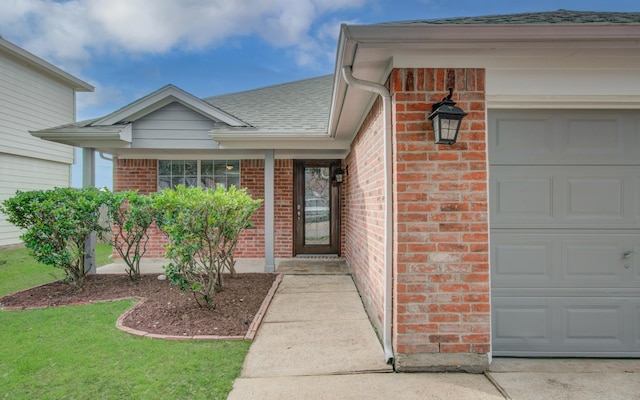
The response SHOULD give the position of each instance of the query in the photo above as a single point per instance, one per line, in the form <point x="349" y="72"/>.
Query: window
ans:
<point x="205" y="173"/>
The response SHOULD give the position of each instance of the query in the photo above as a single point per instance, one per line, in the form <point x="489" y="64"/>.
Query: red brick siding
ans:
<point x="364" y="203"/>
<point x="441" y="258"/>
<point x="132" y="174"/>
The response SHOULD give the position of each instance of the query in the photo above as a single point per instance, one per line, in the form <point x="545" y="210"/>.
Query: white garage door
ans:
<point x="565" y="233"/>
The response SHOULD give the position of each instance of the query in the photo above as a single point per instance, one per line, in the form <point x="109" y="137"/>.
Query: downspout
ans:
<point x="105" y="157"/>
<point x="388" y="215"/>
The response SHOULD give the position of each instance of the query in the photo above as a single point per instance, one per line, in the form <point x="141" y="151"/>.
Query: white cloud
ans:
<point x="68" y="32"/>
<point x="103" y="100"/>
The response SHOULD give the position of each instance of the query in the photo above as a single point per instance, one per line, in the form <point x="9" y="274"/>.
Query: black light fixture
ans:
<point x="338" y="175"/>
<point x="446" y="118"/>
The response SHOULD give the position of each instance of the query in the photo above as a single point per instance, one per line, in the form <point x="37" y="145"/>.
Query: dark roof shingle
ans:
<point x="547" y="17"/>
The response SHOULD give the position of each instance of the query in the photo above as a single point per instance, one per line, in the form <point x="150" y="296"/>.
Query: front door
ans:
<point x="316" y="207"/>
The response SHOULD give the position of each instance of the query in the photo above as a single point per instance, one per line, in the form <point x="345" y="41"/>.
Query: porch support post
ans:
<point x="269" y="220"/>
<point x="89" y="179"/>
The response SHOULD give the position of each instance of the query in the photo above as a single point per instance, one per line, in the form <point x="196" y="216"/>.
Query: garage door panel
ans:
<point x="590" y="261"/>
<point x="522" y="321"/>
<point x="566" y="197"/>
<point x="563" y="137"/>
<point x="522" y="259"/>
<point x="593" y="259"/>
<point x="600" y="198"/>
<point x="591" y="324"/>
<point x="578" y="326"/>
<point x="636" y="332"/>
<point x="524" y="197"/>
<point x="524" y="134"/>
<point x="584" y="135"/>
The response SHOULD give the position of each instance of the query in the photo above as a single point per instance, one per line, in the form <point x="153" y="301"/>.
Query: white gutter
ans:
<point x="388" y="209"/>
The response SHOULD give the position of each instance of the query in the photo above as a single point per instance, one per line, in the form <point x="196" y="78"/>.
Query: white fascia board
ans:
<point x="115" y="136"/>
<point x="430" y="35"/>
<point x="163" y="97"/>
<point x="229" y="154"/>
<point x="38" y="63"/>
<point x="282" y="142"/>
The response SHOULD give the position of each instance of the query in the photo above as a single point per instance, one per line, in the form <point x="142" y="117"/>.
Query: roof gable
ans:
<point x="162" y="97"/>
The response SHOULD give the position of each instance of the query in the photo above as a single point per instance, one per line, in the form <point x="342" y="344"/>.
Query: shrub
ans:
<point x="131" y="215"/>
<point x="57" y="223"/>
<point x="203" y="226"/>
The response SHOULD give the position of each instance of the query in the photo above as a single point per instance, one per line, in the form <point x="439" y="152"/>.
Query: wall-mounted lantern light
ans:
<point x="446" y="118"/>
<point x="338" y="175"/>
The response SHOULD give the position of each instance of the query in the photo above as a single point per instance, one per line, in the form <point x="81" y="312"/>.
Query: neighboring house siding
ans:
<point x="30" y="100"/>
<point x="173" y="127"/>
<point x="22" y="173"/>
<point x="141" y="175"/>
<point x="442" y="254"/>
<point x="364" y="217"/>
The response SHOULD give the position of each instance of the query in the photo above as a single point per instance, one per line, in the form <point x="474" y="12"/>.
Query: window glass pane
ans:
<point x="206" y="168"/>
<point x="177" y="168"/>
<point x="233" y="180"/>
<point x="164" y="182"/>
<point x="191" y="168"/>
<point x="191" y="181"/>
<point x="220" y="168"/>
<point x="177" y="180"/>
<point x="207" y="182"/>
<point x="220" y="179"/>
<point x="233" y="167"/>
<point x="164" y="167"/>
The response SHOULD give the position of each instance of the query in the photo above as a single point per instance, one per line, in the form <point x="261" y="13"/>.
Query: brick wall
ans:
<point x="132" y="174"/>
<point x="363" y="222"/>
<point x="441" y="279"/>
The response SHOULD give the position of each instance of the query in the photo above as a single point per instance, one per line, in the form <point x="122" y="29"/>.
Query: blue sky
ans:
<point x="129" y="48"/>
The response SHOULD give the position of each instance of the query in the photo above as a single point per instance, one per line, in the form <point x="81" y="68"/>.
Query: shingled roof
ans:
<point x="537" y="18"/>
<point x="300" y="106"/>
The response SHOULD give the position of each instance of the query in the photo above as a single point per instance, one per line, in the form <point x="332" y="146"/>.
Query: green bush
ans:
<point x="131" y="215"/>
<point x="57" y="224"/>
<point x="203" y="226"/>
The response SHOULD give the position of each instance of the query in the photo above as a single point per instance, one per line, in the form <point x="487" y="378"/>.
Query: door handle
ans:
<point x="627" y="254"/>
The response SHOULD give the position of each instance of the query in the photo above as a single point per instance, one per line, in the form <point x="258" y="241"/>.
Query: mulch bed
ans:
<point x="166" y="310"/>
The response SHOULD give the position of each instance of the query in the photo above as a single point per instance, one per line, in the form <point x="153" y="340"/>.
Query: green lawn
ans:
<point x="76" y="352"/>
<point x="18" y="270"/>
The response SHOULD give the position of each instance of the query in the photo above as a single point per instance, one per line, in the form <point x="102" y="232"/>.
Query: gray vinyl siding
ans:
<point x="23" y="173"/>
<point x="173" y="127"/>
<point x="30" y="100"/>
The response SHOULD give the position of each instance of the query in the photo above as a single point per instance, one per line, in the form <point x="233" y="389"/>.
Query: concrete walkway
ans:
<point x="316" y="342"/>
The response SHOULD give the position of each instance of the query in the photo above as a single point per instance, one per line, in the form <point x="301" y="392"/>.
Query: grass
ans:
<point x="18" y="270"/>
<point x="76" y="352"/>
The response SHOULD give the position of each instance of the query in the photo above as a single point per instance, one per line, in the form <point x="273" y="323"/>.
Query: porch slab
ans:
<point x="306" y="265"/>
